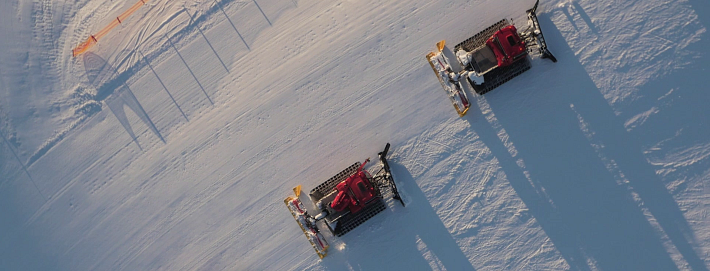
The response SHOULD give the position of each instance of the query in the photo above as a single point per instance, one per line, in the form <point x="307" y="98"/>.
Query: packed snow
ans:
<point x="172" y="143"/>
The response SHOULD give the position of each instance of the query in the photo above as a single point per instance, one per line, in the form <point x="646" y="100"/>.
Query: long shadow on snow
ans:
<point x="680" y="122"/>
<point x="115" y="93"/>
<point x="573" y="194"/>
<point x="680" y="94"/>
<point x="23" y="246"/>
<point x="626" y="150"/>
<point x="406" y="238"/>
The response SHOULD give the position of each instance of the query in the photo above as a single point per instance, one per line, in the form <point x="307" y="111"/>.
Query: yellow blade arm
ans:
<point x="297" y="190"/>
<point x="440" y="45"/>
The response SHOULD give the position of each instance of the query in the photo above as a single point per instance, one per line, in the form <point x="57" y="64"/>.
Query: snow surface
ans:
<point x="172" y="143"/>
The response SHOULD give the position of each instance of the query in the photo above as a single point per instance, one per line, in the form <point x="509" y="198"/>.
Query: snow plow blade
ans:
<point x="454" y="90"/>
<point x="388" y="181"/>
<point x="309" y="228"/>
<point x="534" y="35"/>
<point x="374" y="189"/>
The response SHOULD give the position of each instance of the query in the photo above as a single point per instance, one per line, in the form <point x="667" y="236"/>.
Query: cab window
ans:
<point x="511" y="40"/>
<point x="362" y="187"/>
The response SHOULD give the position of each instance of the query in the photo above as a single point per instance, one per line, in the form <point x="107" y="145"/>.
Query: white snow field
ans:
<point x="172" y="143"/>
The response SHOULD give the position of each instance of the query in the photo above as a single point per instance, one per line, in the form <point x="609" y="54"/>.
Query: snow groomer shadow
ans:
<point x="582" y="175"/>
<point x="403" y="238"/>
<point x="111" y="88"/>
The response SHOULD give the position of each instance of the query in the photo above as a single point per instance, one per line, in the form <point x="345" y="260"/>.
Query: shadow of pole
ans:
<point x="230" y="22"/>
<point x="115" y="93"/>
<point x="192" y="21"/>
<point x="189" y="70"/>
<point x="262" y="12"/>
<point x="162" y="84"/>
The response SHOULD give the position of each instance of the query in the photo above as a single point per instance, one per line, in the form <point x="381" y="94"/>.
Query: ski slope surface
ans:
<point x="172" y="143"/>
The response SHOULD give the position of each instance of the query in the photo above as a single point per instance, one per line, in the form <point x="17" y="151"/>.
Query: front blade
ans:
<point x="316" y="239"/>
<point x="439" y="63"/>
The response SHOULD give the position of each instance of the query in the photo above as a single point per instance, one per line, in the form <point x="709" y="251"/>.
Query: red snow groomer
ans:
<point x="500" y="52"/>
<point x="344" y="201"/>
<point x="489" y="58"/>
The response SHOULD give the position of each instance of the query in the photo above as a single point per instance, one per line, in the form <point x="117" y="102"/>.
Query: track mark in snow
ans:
<point x="640" y="118"/>
<point x="9" y="146"/>
<point x="79" y="177"/>
<point x="44" y="25"/>
<point x="90" y="107"/>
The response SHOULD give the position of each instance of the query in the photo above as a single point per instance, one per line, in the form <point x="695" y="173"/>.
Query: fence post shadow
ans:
<point x="189" y="70"/>
<point x="162" y="84"/>
<point x="233" y="26"/>
<point x="592" y="220"/>
<point x="192" y="21"/>
<point x="262" y="13"/>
